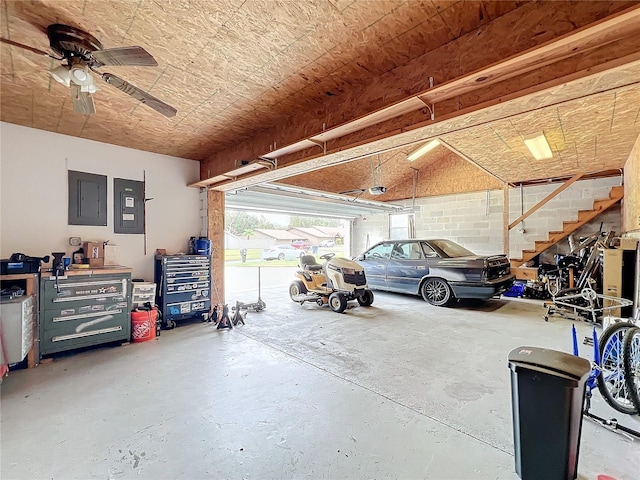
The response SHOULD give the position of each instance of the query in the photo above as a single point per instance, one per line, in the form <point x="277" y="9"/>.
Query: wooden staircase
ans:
<point x="584" y="216"/>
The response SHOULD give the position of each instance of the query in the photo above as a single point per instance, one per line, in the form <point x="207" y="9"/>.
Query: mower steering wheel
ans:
<point x="327" y="256"/>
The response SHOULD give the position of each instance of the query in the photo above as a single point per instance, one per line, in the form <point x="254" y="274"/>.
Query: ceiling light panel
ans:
<point x="538" y="146"/>
<point x="427" y="147"/>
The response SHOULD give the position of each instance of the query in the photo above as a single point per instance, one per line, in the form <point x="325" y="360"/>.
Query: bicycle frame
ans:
<point x="596" y="369"/>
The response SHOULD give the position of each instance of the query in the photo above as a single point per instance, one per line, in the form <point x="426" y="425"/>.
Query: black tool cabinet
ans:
<point x="184" y="286"/>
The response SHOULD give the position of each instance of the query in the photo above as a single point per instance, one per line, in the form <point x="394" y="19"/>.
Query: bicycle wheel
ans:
<point x="611" y="381"/>
<point x="631" y="359"/>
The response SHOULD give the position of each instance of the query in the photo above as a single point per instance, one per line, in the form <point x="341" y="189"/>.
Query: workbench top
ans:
<point x="107" y="270"/>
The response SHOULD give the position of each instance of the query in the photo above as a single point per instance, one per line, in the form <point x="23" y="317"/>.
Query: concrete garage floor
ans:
<point x="397" y="390"/>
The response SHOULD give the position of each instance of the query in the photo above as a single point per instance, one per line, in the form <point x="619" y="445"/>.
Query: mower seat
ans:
<point x="308" y="262"/>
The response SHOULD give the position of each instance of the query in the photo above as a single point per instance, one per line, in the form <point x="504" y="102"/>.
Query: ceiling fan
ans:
<point x="81" y="54"/>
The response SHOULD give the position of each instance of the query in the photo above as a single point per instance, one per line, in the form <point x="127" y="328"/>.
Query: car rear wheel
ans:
<point x="281" y="256"/>
<point x="366" y="299"/>
<point x="295" y="289"/>
<point x="436" y="292"/>
<point x="337" y="302"/>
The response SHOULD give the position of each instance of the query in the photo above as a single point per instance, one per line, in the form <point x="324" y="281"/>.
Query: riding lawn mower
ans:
<point x="333" y="283"/>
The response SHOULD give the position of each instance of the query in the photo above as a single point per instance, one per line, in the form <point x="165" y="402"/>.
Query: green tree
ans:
<point x="240" y="223"/>
<point x="297" y="221"/>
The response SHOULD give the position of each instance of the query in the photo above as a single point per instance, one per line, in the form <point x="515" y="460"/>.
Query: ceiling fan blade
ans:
<point x="82" y="101"/>
<point x="132" y="56"/>
<point x="27" y="47"/>
<point x="140" y="95"/>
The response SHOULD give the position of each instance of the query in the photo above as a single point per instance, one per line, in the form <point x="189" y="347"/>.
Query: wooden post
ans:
<point x="571" y="278"/>
<point x="505" y="217"/>
<point x="215" y="211"/>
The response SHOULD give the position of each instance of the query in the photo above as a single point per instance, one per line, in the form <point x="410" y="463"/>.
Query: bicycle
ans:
<point x="631" y="362"/>
<point x="608" y="373"/>
<point x="612" y="381"/>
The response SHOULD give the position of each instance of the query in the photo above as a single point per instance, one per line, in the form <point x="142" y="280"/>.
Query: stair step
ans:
<point x="570" y="226"/>
<point x="543" y="242"/>
<point x="616" y="192"/>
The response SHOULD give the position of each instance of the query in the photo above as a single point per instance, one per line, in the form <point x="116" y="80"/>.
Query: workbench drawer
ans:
<point x="75" y="292"/>
<point x="54" y="341"/>
<point x="68" y="322"/>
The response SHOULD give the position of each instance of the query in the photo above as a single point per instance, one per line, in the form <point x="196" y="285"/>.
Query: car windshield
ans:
<point x="450" y="249"/>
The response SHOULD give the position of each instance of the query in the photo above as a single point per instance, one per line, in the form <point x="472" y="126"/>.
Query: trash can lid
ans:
<point x="553" y="360"/>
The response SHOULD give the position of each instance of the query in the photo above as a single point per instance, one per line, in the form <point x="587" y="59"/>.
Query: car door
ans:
<point x="375" y="262"/>
<point x="406" y="267"/>
<point x="291" y="253"/>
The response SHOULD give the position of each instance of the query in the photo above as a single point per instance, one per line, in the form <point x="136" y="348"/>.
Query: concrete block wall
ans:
<point x="475" y="220"/>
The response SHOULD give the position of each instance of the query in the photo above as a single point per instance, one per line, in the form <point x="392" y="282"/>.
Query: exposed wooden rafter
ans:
<point x="614" y="28"/>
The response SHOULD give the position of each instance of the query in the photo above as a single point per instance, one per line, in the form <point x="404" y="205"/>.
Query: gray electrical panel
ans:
<point x="128" y="209"/>
<point x="87" y="199"/>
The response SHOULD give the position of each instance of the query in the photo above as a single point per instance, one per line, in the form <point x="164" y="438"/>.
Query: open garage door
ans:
<point x="279" y="198"/>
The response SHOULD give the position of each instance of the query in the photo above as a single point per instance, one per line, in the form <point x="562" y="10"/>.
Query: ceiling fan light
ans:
<point x="427" y="147"/>
<point x="538" y="146"/>
<point x="61" y="75"/>
<point x="81" y="76"/>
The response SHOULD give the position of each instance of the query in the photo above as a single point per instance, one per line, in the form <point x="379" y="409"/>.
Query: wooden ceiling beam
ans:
<point x="604" y="32"/>
<point x="611" y="29"/>
<point x="608" y="77"/>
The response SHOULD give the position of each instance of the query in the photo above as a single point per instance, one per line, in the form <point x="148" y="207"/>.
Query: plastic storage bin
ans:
<point x="547" y="395"/>
<point x="141" y="293"/>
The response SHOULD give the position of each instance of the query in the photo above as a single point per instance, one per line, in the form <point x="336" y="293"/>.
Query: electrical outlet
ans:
<point x="75" y="241"/>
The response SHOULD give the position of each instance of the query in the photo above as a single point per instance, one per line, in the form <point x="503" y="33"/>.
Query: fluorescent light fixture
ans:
<point x="538" y="146"/>
<point x="427" y="147"/>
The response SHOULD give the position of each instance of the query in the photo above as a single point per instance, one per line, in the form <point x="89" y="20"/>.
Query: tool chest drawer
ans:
<point x="83" y="310"/>
<point x="78" y="320"/>
<point x="55" y="342"/>
<point x="184" y="286"/>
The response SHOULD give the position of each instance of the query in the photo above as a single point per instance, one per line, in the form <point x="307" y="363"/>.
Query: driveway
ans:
<point x="241" y="283"/>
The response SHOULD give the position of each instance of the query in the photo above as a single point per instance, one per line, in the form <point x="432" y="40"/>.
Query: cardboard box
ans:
<point x="112" y="255"/>
<point x="612" y="278"/>
<point x="94" y="253"/>
<point x="628" y="243"/>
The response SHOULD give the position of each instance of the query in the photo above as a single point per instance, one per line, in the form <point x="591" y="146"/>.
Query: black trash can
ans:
<point x="547" y="395"/>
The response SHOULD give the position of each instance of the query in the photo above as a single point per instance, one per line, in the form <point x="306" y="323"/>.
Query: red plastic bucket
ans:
<point x="143" y="325"/>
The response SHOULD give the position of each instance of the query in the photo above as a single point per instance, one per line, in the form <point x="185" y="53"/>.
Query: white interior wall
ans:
<point x="475" y="220"/>
<point x="34" y="196"/>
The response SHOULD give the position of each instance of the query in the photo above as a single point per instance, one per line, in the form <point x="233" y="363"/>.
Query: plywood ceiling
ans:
<point x="235" y="69"/>
<point x="230" y="67"/>
<point x="589" y="135"/>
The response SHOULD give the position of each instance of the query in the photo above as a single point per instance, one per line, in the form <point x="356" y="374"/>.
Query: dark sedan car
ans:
<point x="439" y="270"/>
